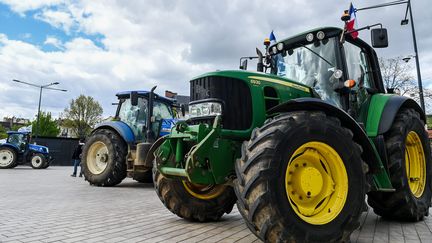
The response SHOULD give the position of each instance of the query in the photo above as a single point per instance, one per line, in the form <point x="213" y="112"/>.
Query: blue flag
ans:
<point x="272" y="38"/>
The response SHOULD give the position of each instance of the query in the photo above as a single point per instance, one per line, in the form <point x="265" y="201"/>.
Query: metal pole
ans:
<point x="417" y="59"/>
<point x="38" y="117"/>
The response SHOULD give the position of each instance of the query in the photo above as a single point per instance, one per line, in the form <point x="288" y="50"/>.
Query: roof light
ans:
<point x="280" y="46"/>
<point x="266" y="41"/>
<point x="309" y="37"/>
<point x="320" y="35"/>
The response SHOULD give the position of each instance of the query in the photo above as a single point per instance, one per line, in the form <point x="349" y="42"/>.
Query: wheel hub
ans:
<point x="6" y="157"/>
<point x="415" y="164"/>
<point x="316" y="183"/>
<point x="97" y="157"/>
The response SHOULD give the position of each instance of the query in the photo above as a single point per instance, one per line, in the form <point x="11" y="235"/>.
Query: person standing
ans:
<point x="76" y="158"/>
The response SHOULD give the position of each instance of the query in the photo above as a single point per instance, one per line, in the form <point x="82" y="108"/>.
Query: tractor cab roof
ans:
<point x="142" y="93"/>
<point x="15" y="132"/>
<point x="302" y="38"/>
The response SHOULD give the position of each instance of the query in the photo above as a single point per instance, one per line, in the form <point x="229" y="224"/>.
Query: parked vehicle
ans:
<point x="18" y="150"/>
<point x="118" y="148"/>
<point x="299" y="144"/>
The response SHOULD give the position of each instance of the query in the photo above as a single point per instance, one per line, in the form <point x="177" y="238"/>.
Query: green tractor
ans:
<point x="298" y="144"/>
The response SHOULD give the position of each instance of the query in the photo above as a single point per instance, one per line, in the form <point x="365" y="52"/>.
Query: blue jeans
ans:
<point x="76" y="163"/>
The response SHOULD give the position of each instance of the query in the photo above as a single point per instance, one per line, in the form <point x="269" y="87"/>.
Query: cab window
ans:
<point x="358" y="66"/>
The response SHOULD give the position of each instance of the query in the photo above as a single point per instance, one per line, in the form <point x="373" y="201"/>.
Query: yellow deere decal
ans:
<point x="277" y="81"/>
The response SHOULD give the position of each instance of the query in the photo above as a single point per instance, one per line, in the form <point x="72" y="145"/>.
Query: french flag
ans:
<point x="352" y="24"/>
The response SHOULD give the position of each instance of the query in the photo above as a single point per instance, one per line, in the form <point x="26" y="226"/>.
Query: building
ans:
<point x="9" y="122"/>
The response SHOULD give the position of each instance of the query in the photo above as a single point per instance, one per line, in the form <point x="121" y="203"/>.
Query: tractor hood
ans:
<point x="39" y="148"/>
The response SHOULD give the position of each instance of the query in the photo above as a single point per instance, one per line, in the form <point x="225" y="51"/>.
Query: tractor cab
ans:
<point x="343" y="73"/>
<point x="19" y="140"/>
<point x="134" y="109"/>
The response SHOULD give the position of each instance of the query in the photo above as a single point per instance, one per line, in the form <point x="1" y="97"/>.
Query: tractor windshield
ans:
<point x="136" y="116"/>
<point x="312" y="64"/>
<point x="18" y="139"/>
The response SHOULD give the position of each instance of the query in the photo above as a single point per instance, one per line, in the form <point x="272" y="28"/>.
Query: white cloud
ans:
<point x="21" y="6"/>
<point x="53" y="41"/>
<point x="166" y="43"/>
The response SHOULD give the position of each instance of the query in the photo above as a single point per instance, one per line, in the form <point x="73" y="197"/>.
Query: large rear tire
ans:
<point x="301" y="178"/>
<point x="192" y="201"/>
<point x="8" y="158"/>
<point x="410" y="169"/>
<point x="104" y="158"/>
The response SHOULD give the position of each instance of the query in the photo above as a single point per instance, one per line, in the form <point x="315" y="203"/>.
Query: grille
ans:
<point x="237" y="107"/>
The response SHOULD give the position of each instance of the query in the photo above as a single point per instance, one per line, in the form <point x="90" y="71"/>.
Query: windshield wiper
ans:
<point x="329" y="63"/>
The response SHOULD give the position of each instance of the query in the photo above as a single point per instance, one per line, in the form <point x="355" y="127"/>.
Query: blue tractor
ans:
<point x="18" y="150"/>
<point x="119" y="148"/>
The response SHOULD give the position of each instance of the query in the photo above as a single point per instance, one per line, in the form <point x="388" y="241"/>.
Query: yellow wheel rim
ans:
<point x="316" y="183"/>
<point x="204" y="192"/>
<point x="415" y="164"/>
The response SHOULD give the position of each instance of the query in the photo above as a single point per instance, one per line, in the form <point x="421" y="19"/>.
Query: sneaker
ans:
<point x="73" y="175"/>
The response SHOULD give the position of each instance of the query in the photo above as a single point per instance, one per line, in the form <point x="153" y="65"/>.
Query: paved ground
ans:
<point x="49" y="206"/>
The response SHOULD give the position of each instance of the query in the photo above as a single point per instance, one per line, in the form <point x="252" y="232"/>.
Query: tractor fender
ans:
<point x="314" y="104"/>
<point x="392" y="107"/>
<point x="121" y="128"/>
<point x="150" y="155"/>
<point x="8" y="145"/>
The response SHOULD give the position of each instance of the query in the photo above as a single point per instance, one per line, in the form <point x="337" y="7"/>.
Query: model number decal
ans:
<point x="255" y="82"/>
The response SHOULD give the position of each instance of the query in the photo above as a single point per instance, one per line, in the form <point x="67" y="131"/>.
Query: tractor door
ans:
<point x="359" y="69"/>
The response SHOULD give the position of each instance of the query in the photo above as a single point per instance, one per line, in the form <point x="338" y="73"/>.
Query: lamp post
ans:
<point x="405" y="22"/>
<point x="40" y="87"/>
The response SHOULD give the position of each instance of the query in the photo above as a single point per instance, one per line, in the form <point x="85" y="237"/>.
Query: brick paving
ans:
<point x="49" y="206"/>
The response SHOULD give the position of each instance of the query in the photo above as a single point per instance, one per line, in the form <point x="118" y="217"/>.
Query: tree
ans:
<point x="397" y="75"/>
<point x="47" y="126"/>
<point x="82" y="114"/>
<point x="3" y="132"/>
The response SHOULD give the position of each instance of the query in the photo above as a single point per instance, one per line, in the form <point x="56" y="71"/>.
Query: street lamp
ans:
<point x="41" y="87"/>
<point x="405" y="21"/>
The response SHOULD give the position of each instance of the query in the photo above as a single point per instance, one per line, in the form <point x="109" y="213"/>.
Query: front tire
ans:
<point x="38" y="161"/>
<point x="301" y="179"/>
<point x="410" y="168"/>
<point x="104" y="158"/>
<point x="192" y="201"/>
<point x="8" y="158"/>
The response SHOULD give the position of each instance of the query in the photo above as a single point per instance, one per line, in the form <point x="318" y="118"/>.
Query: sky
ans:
<point x="99" y="48"/>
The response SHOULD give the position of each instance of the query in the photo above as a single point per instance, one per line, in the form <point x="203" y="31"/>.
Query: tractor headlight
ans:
<point x="205" y="109"/>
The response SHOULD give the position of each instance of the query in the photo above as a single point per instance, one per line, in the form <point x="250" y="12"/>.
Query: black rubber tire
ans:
<point x="176" y="199"/>
<point x="42" y="163"/>
<point x="14" y="160"/>
<point x="144" y="177"/>
<point x="402" y="204"/>
<point x="260" y="183"/>
<point x="115" y="171"/>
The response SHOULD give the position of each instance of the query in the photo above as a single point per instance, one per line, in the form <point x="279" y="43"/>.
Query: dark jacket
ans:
<point x="77" y="152"/>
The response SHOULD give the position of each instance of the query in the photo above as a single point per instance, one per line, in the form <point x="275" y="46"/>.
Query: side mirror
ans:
<point x="243" y="65"/>
<point x="260" y="64"/>
<point x="134" y="98"/>
<point x="379" y="38"/>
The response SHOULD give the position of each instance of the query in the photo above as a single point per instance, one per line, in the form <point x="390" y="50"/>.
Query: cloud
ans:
<point x="51" y="40"/>
<point x="166" y="43"/>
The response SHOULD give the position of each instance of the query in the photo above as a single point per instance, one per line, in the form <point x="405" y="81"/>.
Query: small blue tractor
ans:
<point x="119" y="148"/>
<point x="18" y="150"/>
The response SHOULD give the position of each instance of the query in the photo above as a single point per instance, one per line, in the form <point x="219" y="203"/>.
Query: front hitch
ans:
<point x="197" y="153"/>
